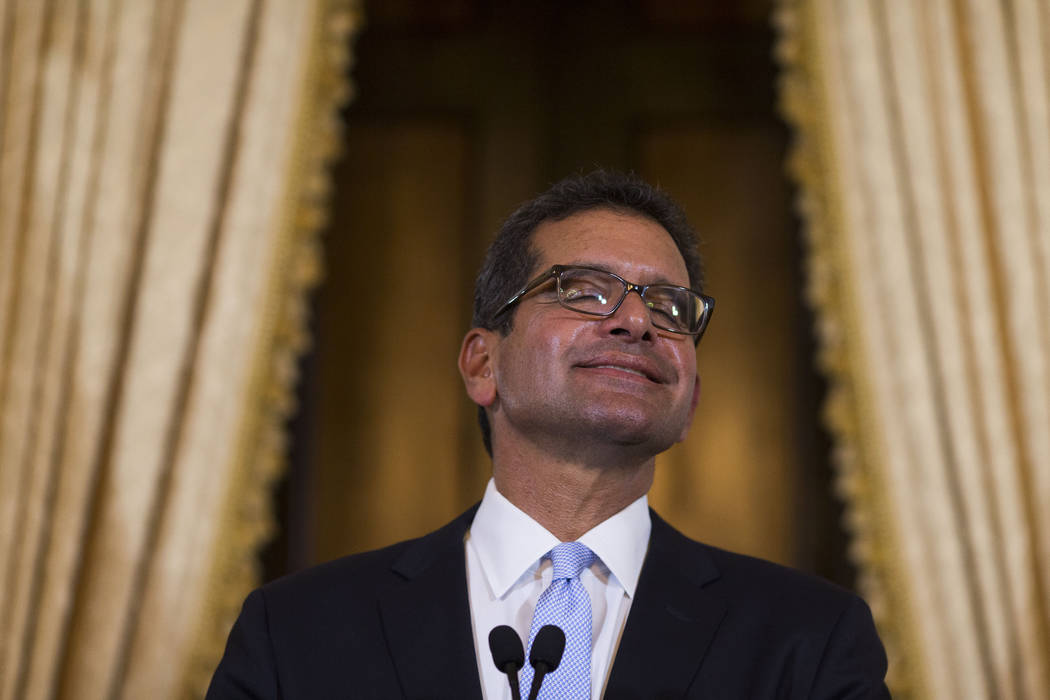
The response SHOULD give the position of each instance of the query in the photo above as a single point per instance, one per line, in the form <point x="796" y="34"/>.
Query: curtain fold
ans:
<point x="923" y="156"/>
<point x="162" y="184"/>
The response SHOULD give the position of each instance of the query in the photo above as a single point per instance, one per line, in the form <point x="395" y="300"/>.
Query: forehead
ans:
<point x="631" y="245"/>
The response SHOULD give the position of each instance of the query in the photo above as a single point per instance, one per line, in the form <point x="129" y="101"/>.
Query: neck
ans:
<point x="568" y="497"/>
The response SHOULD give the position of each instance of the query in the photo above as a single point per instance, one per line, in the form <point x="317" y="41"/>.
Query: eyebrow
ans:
<point x="607" y="268"/>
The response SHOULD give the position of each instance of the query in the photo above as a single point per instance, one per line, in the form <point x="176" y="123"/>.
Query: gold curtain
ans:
<point x="162" y="173"/>
<point x="924" y="158"/>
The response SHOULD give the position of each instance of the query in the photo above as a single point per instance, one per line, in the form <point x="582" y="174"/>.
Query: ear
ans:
<point x="692" y="408"/>
<point x="476" y="365"/>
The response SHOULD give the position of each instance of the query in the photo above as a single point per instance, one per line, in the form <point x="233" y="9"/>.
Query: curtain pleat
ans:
<point x="159" y="206"/>
<point x="924" y="156"/>
<point x="79" y="407"/>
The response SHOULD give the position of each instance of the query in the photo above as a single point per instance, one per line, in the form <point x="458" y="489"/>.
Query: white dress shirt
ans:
<point x="505" y="577"/>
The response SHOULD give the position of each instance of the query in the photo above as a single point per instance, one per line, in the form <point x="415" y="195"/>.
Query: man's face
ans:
<point x="573" y="379"/>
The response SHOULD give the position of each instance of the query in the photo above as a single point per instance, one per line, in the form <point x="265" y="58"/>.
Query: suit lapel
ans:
<point x="672" y="619"/>
<point x="427" y="620"/>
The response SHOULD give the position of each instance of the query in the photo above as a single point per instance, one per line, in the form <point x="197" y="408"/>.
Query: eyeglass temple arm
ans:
<point x="528" y="288"/>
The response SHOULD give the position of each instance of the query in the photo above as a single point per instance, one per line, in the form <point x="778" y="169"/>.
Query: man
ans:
<point x="582" y="361"/>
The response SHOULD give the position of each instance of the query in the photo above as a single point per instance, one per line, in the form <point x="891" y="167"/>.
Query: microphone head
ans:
<point x="547" y="647"/>
<point x="506" y="649"/>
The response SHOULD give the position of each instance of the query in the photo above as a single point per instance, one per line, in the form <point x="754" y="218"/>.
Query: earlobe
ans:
<point x="476" y="361"/>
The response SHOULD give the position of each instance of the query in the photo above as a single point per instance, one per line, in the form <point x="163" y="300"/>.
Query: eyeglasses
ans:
<point x="600" y="293"/>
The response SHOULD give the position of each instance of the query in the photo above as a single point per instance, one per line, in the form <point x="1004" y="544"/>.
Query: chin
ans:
<point x="639" y="430"/>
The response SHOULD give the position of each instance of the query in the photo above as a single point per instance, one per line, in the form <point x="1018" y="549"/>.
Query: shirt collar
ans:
<point x="621" y="542"/>
<point x="509" y="543"/>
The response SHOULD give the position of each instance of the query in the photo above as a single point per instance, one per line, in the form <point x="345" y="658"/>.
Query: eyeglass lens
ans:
<point x="597" y="292"/>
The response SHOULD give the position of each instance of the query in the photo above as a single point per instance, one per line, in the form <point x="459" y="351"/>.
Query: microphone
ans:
<point x="508" y="655"/>
<point x="545" y="655"/>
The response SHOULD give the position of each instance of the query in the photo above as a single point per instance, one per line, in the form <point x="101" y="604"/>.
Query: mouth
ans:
<point x="630" y="365"/>
<point x="622" y="369"/>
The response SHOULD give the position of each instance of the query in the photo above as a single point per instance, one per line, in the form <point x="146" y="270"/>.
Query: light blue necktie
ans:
<point x="566" y="604"/>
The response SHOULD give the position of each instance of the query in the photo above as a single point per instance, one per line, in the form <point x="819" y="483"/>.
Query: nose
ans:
<point x="632" y="319"/>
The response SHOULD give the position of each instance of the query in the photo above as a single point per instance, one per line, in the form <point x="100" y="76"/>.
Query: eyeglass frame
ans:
<point x="554" y="272"/>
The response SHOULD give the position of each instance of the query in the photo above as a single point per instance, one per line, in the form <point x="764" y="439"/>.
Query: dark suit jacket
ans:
<point x="704" y="623"/>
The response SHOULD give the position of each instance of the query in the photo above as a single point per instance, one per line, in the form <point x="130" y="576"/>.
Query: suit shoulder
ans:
<point x="352" y="570"/>
<point x="736" y="565"/>
<point x="745" y="578"/>
<point x="369" y="572"/>
<point x="785" y="632"/>
<point x="775" y="584"/>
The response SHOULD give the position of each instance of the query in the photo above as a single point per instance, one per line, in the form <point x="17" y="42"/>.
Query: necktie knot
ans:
<point x="570" y="558"/>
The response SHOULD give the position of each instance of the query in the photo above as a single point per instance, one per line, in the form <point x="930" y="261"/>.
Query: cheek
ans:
<point x="534" y="359"/>
<point x="547" y="338"/>
<point x="684" y="360"/>
<point x="540" y="362"/>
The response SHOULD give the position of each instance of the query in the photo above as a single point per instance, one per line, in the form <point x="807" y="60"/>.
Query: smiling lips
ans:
<point x="631" y="364"/>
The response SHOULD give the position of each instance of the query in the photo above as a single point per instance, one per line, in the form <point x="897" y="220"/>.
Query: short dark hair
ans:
<point x="511" y="259"/>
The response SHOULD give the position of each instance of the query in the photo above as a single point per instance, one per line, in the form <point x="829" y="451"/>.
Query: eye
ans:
<point x="591" y="291"/>
<point x="671" y="307"/>
<point x="581" y="292"/>
<point x="664" y="312"/>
